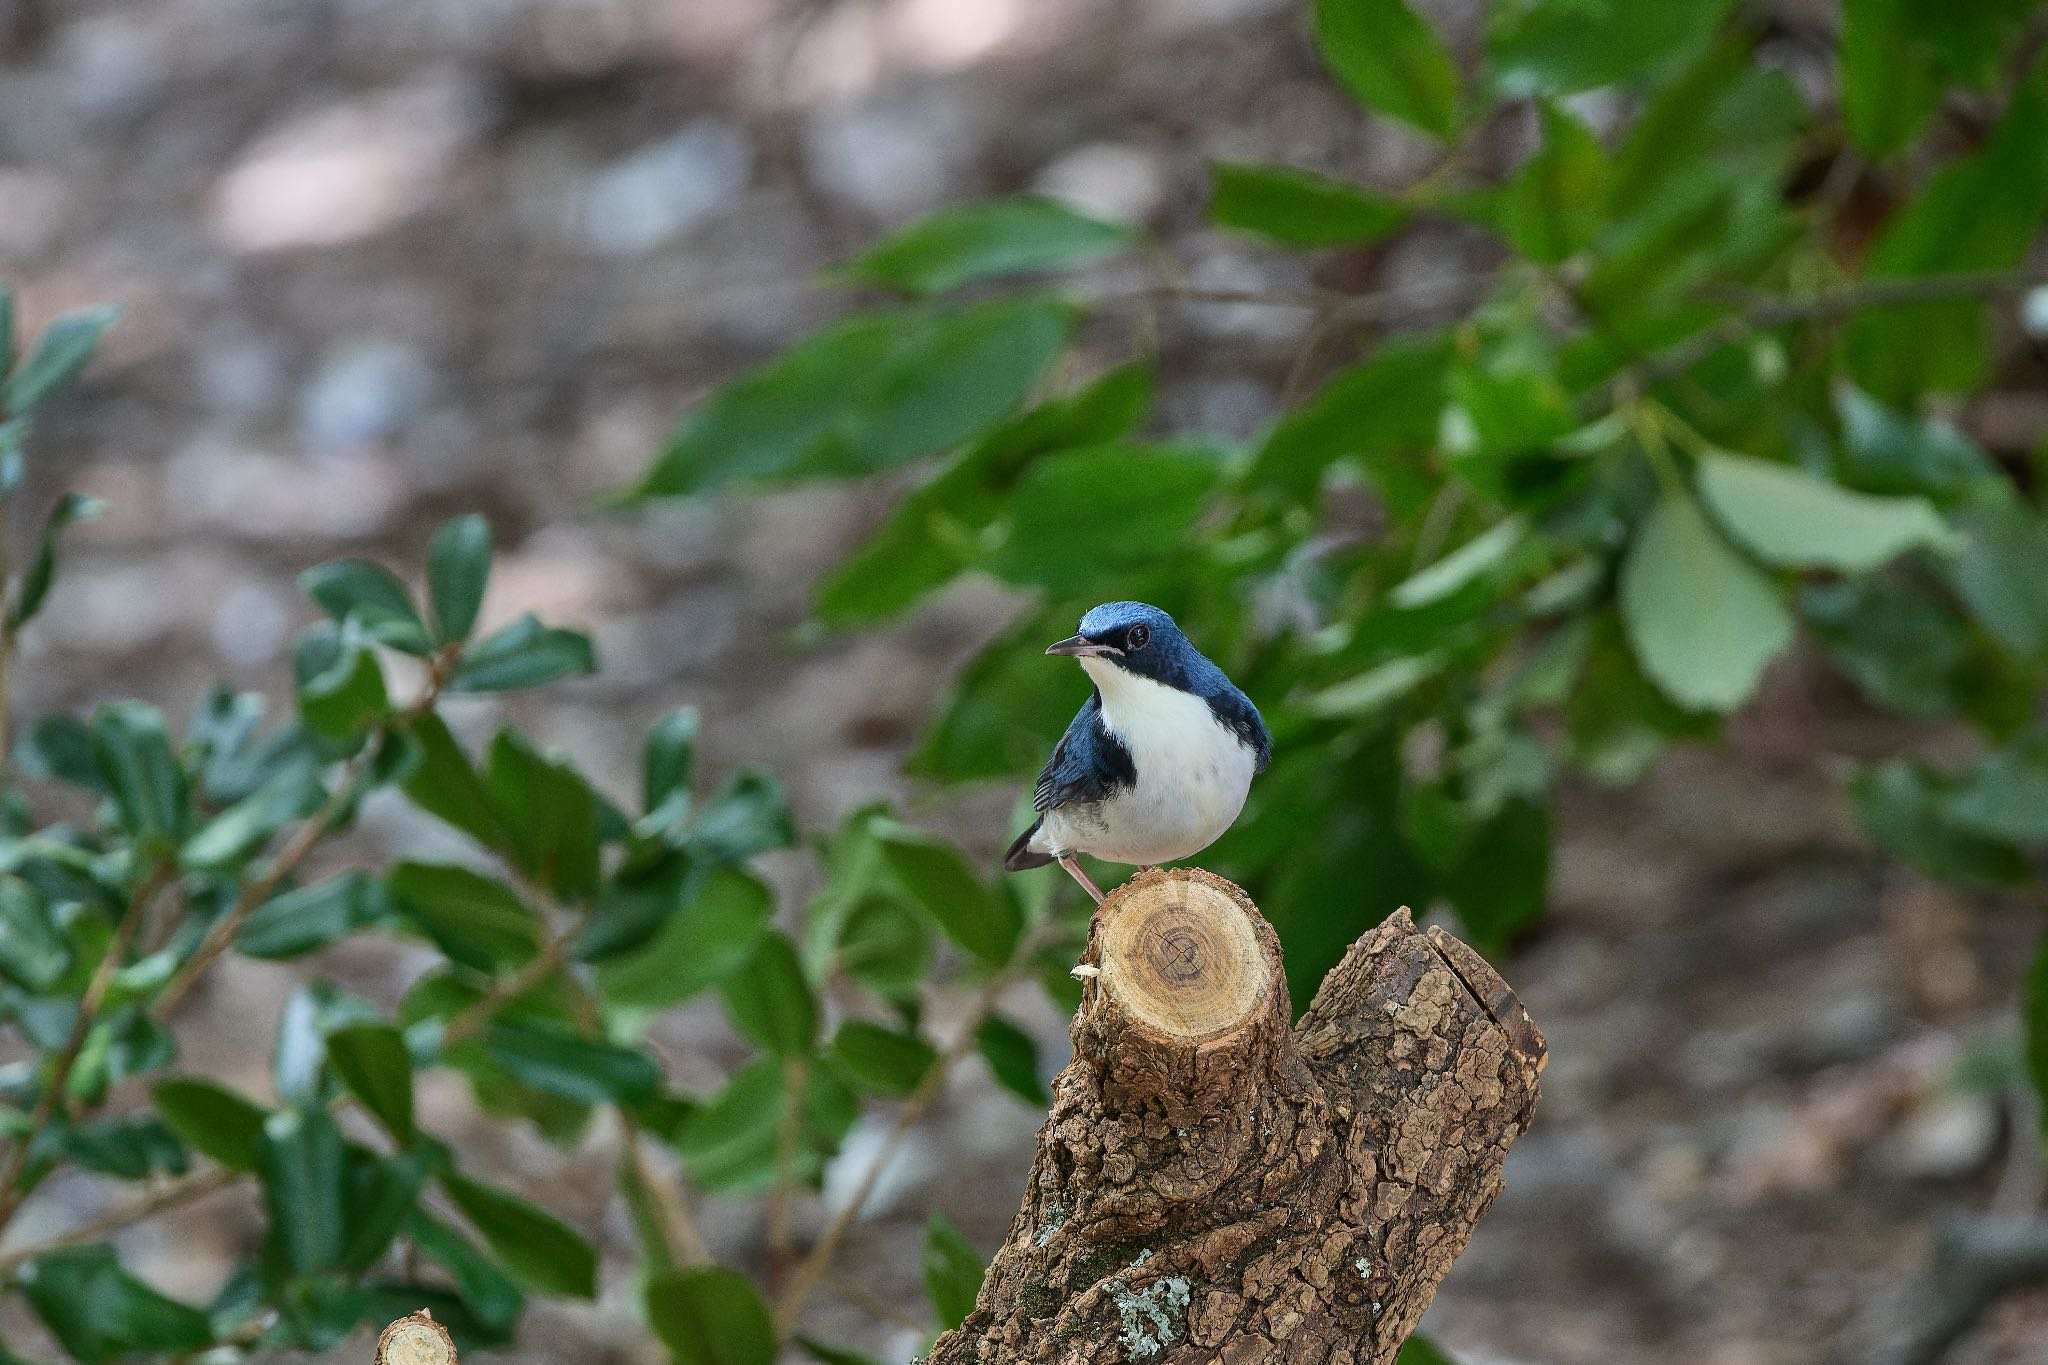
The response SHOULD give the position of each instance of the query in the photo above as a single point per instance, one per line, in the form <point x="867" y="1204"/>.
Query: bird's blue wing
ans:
<point x="1088" y="764"/>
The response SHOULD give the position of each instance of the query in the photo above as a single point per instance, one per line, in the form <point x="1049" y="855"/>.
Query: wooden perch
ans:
<point x="416" y="1340"/>
<point x="1213" y="1185"/>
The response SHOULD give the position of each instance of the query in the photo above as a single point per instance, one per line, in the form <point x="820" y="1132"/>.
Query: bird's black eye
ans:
<point x="1137" y="637"/>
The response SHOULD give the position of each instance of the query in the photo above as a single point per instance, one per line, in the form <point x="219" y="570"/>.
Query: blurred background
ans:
<point x="382" y="261"/>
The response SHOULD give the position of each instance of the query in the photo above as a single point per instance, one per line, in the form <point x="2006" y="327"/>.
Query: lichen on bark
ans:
<point x="1260" y="1194"/>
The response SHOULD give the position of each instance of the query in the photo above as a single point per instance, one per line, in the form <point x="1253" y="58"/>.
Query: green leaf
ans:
<point x="490" y="1293"/>
<point x="537" y="1247"/>
<point x="711" y="1316"/>
<point x="1905" y="809"/>
<point x="1560" y="49"/>
<point x="994" y="239"/>
<point x="35" y="583"/>
<point x="125" y="1148"/>
<point x="668" y="759"/>
<point x="445" y="784"/>
<point x="749" y="815"/>
<point x="301" y="1166"/>
<point x="548" y="814"/>
<point x="1368" y="693"/>
<point x="952" y="1271"/>
<point x="1300" y="208"/>
<point x="707" y="937"/>
<point x="1702" y="620"/>
<point x="214" y="1121"/>
<point x="458" y="567"/>
<point x="98" y="1311"/>
<point x="341" y="687"/>
<point x="1888" y="87"/>
<point x="34" y="953"/>
<point x="557" y="1059"/>
<point x="372" y="1061"/>
<point x="476" y="920"/>
<point x="1012" y="1058"/>
<point x="370" y="596"/>
<point x="2005" y="795"/>
<point x="1885" y="452"/>
<point x="1419" y="1350"/>
<point x="936" y="531"/>
<point x="141" y="772"/>
<point x="939" y="879"/>
<point x="1390" y="60"/>
<point x="1468" y="563"/>
<point x="1785" y="516"/>
<point x="885" y="945"/>
<point x="382" y="1193"/>
<point x="1901" y="641"/>
<point x="632" y="906"/>
<point x="866" y="394"/>
<point x="769" y="1001"/>
<point x="1385" y="407"/>
<point x="1081" y="517"/>
<point x="521" y="655"/>
<point x="1558" y="200"/>
<point x="1979" y="213"/>
<point x="311" y="917"/>
<point x="882" y="1060"/>
<point x="59" y="356"/>
<point x="1498" y="886"/>
<point x="1998" y="575"/>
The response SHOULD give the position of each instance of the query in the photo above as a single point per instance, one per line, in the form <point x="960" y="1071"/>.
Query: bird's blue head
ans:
<point x="1137" y="638"/>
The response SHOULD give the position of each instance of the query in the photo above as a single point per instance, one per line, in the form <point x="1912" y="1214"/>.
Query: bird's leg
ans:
<point x="1074" y="870"/>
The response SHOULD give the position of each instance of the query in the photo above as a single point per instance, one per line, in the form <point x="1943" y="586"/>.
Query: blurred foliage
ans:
<point x="1695" y="412"/>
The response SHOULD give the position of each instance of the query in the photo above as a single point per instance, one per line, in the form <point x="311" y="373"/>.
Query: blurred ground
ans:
<point x="384" y="260"/>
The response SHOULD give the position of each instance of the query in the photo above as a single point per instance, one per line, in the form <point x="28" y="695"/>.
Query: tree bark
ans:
<point x="1213" y="1185"/>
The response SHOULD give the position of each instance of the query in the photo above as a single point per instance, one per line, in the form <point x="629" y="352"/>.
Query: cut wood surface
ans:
<point x="416" y="1340"/>
<point x="1215" y="1185"/>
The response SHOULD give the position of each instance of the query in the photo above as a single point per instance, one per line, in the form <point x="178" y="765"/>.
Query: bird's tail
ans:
<point x="1022" y="856"/>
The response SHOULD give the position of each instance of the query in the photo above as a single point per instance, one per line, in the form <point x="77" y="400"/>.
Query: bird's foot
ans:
<point x="1074" y="870"/>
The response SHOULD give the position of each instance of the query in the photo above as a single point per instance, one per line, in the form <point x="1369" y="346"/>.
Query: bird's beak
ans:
<point x="1081" y="647"/>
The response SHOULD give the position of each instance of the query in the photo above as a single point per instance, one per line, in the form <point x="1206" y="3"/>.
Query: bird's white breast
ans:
<point x="1192" y="774"/>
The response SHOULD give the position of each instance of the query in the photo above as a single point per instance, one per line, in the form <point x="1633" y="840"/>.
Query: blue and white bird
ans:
<point x="1157" y="763"/>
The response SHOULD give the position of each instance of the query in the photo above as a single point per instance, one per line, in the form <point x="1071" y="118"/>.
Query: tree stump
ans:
<point x="416" y="1339"/>
<point x="1213" y="1185"/>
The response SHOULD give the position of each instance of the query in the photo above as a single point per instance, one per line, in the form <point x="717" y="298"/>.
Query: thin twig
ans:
<point x="819" y="1258"/>
<point x="175" y="1195"/>
<point x="89" y="1008"/>
<point x="795" y="1079"/>
<point x="221" y="935"/>
<point x="681" y="1240"/>
<point x="478" y="1013"/>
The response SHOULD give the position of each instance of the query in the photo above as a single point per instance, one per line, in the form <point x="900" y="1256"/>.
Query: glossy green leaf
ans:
<point x="952" y="1271"/>
<point x="710" y="1316"/>
<point x="521" y="655"/>
<point x="1785" y="516"/>
<point x="1998" y="575"/>
<point x="668" y="758"/>
<point x="1391" y="60"/>
<point x="939" y="879"/>
<point x="1386" y="406"/>
<point x="1557" y="201"/>
<point x="866" y="394"/>
<point x="370" y="596"/>
<point x="1905" y="809"/>
<point x="769" y="1001"/>
<point x="444" y="783"/>
<point x="1081" y="517"/>
<point x="1012" y="1058"/>
<point x="372" y="1061"/>
<point x="341" y="687"/>
<point x="60" y="354"/>
<point x="476" y="920"/>
<point x="557" y="1059"/>
<point x="300" y="1164"/>
<point x="1468" y="563"/>
<point x="705" y="939"/>
<point x="1702" y="620"/>
<point x="2004" y="796"/>
<point x="99" y="1312"/>
<point x="485" y="1286"/>
<point x="1560" y="49"/>
<point x="1420" y="1350"/>
<point x="548" y="814"/>
<point x="458" y="568"/>
<point x="748" y="815"/>
<point x="131" y="1148"/>
<point x="538" y="1248"/>
<point x="883" y="1060"/>
<point x="885" y="945"/>
<point x="632" y="906"/>
<point x="35" y="581"/>
<point x="34" y="953"/>
<point x="140" y="771"/>
<point x="2034" y="1023"/>
<point x="1300" y="208"/>
<point x="213" y="1120"/>
<point x="1888" y="88"/>
<point x="992" y="239"/>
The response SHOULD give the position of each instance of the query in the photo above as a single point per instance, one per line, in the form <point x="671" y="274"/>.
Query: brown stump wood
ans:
<point x="1212" y="1185"/>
